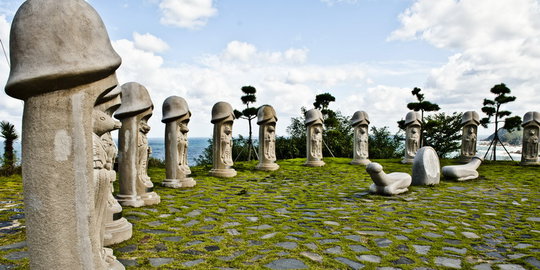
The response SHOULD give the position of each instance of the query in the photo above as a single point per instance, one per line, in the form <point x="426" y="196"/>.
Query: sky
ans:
<point x="369" y="54"/>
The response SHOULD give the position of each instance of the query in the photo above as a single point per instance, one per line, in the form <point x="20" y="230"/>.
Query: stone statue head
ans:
<point x="412" y="118"/>
<point x="374" y="167"/>
<point x="266" y="114"/>
<point x="135" y="99"/>
<point x="63" y="45"/>
<point x="470" y="117"/>
<point x="102" y="122"/>
<point x="222" y="111"/>
<point x="313" y="116"/>
<point x="360" y="118"/>
<point x="531" y="117"/>
<point x="174" y="107"/>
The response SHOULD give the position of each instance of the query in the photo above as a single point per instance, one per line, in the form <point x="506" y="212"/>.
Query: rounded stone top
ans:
<point x="360" y="118"/>
<point x="470" y="117"/>
<point x="412" y="118"/>
<point x="265" y="114"/>
<point x="57" y="44"/>
<point x="135" y="99"/>
<point x="426" y="167"/>
<point x="313" y="116"/>
<point x="220" y="111"/>
<point x="173" y="108"/>
<point x="531" y="117"/>
<point x="374" y="167"/>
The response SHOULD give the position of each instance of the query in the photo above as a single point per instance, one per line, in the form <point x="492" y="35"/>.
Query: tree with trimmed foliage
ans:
<point x="492" y="108"/>
<point x="8" y="133"/>
<point x="338" y="131"/>
<point x="382" y="144"/>
<point x="443" y="132"/>
<point x="249" y="113"/>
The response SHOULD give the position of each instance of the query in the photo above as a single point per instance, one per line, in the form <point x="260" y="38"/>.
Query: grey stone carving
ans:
<point x="314" y="138"/>
<point x="531" y="131"/>
<point x="62" y="62"/>
<point x="360" y="123"/>
<point x="469" y="121"/>
<point x="176" y="117"/>
<point x="223" y="119"/>
<point x="426" y="168"/>
<point x="413" y="128"/>
<point x="136" y="188"/>
<point x="117" y="228"/>
<point x="266" y="119"/>
<point x="387" y="184"/>
<point x="463" y="172"/>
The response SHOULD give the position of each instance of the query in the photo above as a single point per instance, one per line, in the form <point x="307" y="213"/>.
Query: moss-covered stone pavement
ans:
<point x="321" y="218"/>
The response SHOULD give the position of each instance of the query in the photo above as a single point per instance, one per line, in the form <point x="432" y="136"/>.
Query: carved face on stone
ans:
<point x="102" y="122"/>
<point x="270" y="129"/>
<point x="184" y="126"/>
<point x="227" y="128"/>
<point x="144" y="127"/>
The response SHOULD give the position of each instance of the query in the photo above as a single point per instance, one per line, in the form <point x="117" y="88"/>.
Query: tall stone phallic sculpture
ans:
<point x="469" y="121"/>
<point x="176" y="117"/>
<point x="62" y="63"/>
<point x="117" y="228"/>
<point x="222" y="118"/>
<point x="530" y="145"/>
<point x="266" y="119"/>
<point x="360" y="123"/>
<point x="136" y="189"/>
<point x="413" y="128"/>
<point x="314" y="139"/>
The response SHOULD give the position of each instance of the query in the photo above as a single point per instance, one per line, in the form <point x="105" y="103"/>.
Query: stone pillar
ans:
<point x="117" y="228"/>
<point x="176" y="117"/>
<point x="314" y="139"/>
<point x="62" y="62"/>
<point x="469" y="135"/>
<point x="360" y="123"/>
<point x="413" y="129"/>
<point x="531" y="131"/>
<point x="266" y="119"/>
<point x="222" y="118"/>
<point x="136" y="189"/>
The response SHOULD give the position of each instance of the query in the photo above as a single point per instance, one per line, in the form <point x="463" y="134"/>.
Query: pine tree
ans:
<point x="249" y="113"/>
<point x="7" y="131"/>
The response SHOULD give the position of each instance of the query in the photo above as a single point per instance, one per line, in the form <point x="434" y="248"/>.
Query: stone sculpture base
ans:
<point x="407" y="160"/>
<point x="151" y="198"/>
<point x="223" y="172"/>
<point x="529" y="163"/>
<point x="129" y="200"/>
<point x="386" y="190"/>
<point x="360" y="161"/>
<point x="112" y="262"/>
<point x="179" y="183"/>
<point x="267" y="166"/>
<point x="314" y="163"/>
<point x="117" y="231"/>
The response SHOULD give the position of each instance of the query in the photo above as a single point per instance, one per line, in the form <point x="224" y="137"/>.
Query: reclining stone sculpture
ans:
<point x="387" y="184"/>
<point x="463" y="172"/>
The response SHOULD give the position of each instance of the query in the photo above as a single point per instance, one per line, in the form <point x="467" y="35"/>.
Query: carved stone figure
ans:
<point x="426" y="168"/>
<point x="176" y="117"/>
<point x="266" y="119"/>
<point x="360" y="123"/>
<point x="136" y="188"/>
<point x="62" y="62"/>
<point x="387" y="184"/>
<point x="222" y="118"/>
<point x="117" y="228"/>
<point x="531" y="130"/>
<point x="314" y="147"/>
<point x="469" y="122"/>
<point x="463" y="172"/>
<point x="413" y="127"/>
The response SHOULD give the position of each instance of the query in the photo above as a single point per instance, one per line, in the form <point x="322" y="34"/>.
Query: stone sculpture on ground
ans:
<point x="62" y="62"/>
<point x="223" y="119"/>
<point x="136" y="189"/>
<point x="413" y="127"/>
<point x="387" y="184"/>
<point x="314" y="138"/>
<point x="469" y="122"/>
<point x="117" y="228"/>
<point x="266" y="119"/>
<point x="176" y="117"/>
<point x="531" y="131"/>
<point x="426" y="168"/>
<point x="360" y="123"/>
<point x="463" y="172"/>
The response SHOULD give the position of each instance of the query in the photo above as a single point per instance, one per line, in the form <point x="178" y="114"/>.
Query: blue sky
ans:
<point x="367" y="53"/>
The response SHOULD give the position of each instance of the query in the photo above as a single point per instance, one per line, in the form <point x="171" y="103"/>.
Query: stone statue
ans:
<point x="463" y="172"/>
<point x="222" y="118"/>
<point x="360" y="123"/>
<point x="117" y="228"/>
<point x="531" y="129"/>
<point x="469" y="122"/>
<point x="136" y="188"/>
<point x="266" y="119"/>
<point x="426" y="168"/>
<point x="314" y="147"/>
<point x="62" y="62"/>
<point x="387" y="184"/>
<point x="176" y="117"/>
<point x="413" y="128"/>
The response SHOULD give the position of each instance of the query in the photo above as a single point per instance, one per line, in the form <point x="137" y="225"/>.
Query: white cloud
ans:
<point x="149" y="42"/>
<point x="191" y="14"/>
<point x="333" y="2"/>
